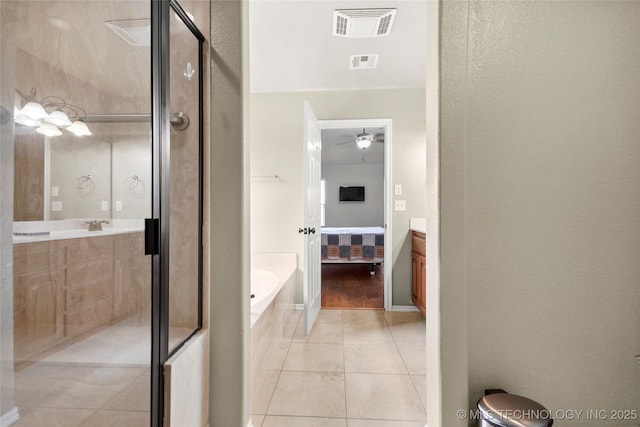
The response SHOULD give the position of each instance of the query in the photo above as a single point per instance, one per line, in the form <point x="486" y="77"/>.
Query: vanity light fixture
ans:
<point x="62" y="115"/>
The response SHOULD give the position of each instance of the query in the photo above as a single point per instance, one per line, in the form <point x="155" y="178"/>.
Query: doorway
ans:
<point x="334" y="254"/>
<point x="352" y="206"/>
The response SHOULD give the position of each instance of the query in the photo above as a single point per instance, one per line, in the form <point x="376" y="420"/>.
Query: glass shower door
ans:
<point x="75" y="99"/>
<point x="185" y="237"/>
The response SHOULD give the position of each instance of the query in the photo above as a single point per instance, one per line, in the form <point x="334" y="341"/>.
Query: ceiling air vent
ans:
<point x="363" y="22"/>
<point x="136" y="32"/>
<point x="364" y="62"/>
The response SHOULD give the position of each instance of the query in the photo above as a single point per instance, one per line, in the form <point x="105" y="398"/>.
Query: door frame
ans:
<point x="387" y="124"/>
<point x="157" y="237"/>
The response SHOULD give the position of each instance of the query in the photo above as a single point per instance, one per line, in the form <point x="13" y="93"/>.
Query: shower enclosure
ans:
<point x="101" y="189"/>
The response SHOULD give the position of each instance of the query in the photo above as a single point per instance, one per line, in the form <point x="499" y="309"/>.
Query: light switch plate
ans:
<point x="55" y="191"/>
<point x="104" y="205"/>
<point x="56" y="206"/>
<point x="398" y="190"/>
<point x="401" y="205"/>
<point x="118" y="205"/>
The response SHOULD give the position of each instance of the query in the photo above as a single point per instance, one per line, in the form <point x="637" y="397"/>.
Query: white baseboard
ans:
<point x="299" y="306"/>
<point x="9" y="417"/>
<point x="404" y="308"/>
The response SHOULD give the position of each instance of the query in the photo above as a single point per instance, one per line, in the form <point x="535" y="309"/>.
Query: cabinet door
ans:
<point x="132" y="275"/>
<point x="38" y="310"/>
<point x="415" y="271"/>
<point x="422" y="285"/>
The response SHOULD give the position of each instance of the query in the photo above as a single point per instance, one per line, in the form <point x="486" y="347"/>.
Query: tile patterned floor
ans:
<point x="357" y="368"/>
<point x="82" y="396"/>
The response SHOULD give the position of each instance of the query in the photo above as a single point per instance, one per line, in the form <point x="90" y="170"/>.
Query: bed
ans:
<point x="361" y="245"/>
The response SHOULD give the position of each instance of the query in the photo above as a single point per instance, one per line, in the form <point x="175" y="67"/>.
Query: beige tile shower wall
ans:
<point x="276" y="148"/>
<point x="184" y="230"/>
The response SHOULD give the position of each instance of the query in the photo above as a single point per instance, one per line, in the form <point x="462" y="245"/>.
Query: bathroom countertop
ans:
<point x="418" y="224"/>
<point x="72" y="234"/>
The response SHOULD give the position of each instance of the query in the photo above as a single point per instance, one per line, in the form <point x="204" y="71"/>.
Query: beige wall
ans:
<point x="229" y="215"/>
<point x="276" y="148"/>
<point x="546" y="175"/>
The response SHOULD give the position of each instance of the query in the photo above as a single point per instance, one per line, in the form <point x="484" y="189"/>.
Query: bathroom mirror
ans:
<point x="104" y="176"/>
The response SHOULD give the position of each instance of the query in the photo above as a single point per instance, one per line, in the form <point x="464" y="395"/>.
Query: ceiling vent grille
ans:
<point x="364" y="62"/>
<point x="363" y="22"/>
<point x="136" y="32"/>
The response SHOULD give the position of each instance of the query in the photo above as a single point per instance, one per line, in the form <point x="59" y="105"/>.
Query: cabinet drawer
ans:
<point x="418" y="243"/>
<point x="40" y="256"/>
<point x="80" y="251"/>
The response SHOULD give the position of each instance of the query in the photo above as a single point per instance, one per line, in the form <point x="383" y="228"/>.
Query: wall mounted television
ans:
<point x="351" y="194"/>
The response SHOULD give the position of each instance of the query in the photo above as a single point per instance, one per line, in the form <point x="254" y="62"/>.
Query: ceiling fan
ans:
<point x="363" y="140"/>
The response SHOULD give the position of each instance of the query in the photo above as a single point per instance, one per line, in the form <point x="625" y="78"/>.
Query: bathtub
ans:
<point x="274" y="319"/>
<point x="265" y="285"/>
<point x="270" y="274"/>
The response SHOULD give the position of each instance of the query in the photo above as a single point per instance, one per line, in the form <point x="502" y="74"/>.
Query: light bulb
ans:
<point x="49" y="130"/>
<point x="58" y="118"/>
<point x="34" y="111"/>
<point x="363" y="143"/>
<point x="79" y="128"/>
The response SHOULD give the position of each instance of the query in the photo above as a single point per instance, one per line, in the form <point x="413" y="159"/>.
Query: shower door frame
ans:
<point x="160" y="117"/>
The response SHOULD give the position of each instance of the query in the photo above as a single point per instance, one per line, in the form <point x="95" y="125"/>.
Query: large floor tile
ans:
<point x="309" y="394"/>
<point x="398" y="317"/>
<point x="420" y="382"/>
<point x="276" y="421"/>
<point x="117" y="419"/>
<point x="329" y="316"/>
<point x="415" y="357"/>
<point x="315" y="357"/>
<point x="383" y="397"/>
<point x="322" y="332"/>
<point x="409" y="332"/>
<point x="135" y="397"/>
<point x="366" y="333"/>
<point x="363" y="316"/>
<point x="383" y="423"/>
<point x="262" y="388"/>
<point x="373" y="358"/>
<point x="256" y="420"/>
<point x="42" y="417"/>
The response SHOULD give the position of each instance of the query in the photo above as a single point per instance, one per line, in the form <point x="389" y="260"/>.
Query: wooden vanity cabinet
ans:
<point x="38" y="295"/>
<point x="418" y="271"/>
<point x="65" y="288"/>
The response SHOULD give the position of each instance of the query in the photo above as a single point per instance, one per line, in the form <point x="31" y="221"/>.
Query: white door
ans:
<point x="311" y="228"/>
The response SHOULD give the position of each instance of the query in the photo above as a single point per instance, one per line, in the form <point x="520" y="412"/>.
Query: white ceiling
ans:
<point x="335" y="152"/>
<point x="292" y="47"/>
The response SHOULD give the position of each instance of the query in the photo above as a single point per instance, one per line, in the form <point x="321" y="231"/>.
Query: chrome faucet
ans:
<point x="96" y="225"/>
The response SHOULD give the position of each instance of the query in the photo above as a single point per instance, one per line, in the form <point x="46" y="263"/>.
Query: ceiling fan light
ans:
<point x="363" y="143"/>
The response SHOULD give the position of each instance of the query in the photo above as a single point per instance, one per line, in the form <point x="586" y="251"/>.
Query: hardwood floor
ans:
<point x="352" y="286"/>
